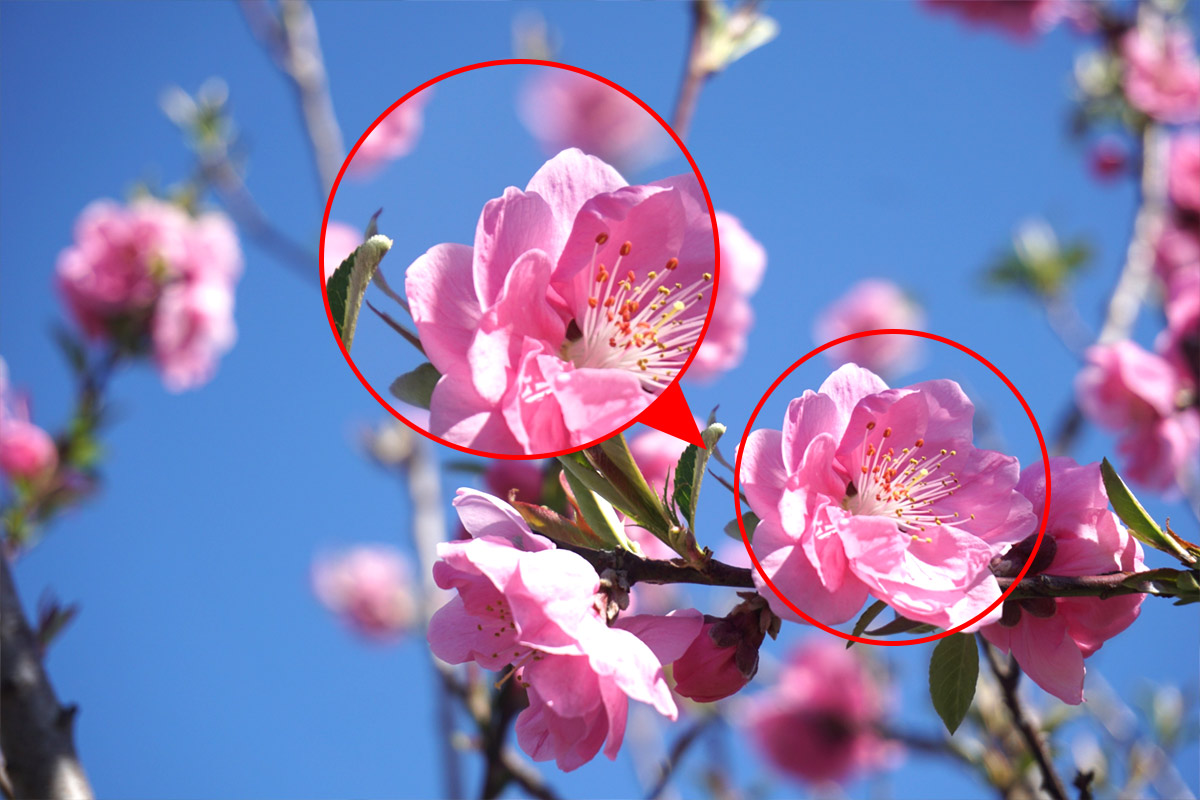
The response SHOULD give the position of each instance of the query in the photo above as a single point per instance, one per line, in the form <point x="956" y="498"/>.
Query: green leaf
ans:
<point x="749" y="519"/>
<point x="613" y="459"/>
<point x="551" y="524"/>
<point x="577" y="468"/>
<point x="416" y="387"/>
<point x="1141" y="524"/>
<point x="873" y="611"/>
<point x="600" y="516"/>
<point x="730" y="36"/>
<point x="348" y="284"/>
<point x="685" y="471"/>
<point x="953" y="671"/>
<point x="899" y="624"/>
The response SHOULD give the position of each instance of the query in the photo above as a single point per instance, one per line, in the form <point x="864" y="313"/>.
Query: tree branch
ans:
<point x="694" y="73"/>
<point x="1008" y="679"/>
<point x="36" y="733"/>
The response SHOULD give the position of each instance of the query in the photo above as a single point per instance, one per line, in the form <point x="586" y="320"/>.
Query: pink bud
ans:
<point x="724" y="657"/>
<point x="26" y="451"/>
<point x="1108" y="159"/>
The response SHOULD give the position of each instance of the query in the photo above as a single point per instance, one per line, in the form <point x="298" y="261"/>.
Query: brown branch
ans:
<point x="694" y="73"/>
<point x="1008" y="679"/>
<point x="36" y="733"/>
<point x="678" y="751"/>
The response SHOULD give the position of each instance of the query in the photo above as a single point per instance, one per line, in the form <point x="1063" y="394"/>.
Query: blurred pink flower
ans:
<point x="1162" y="74"/>
<point x="872" y="305"/>
<point x="743" y="261"/>
<point x="1185" y="172"/>
<point x="1135" y="393"/>
<point x="340" y="241"/>
<point x="369" y="587"/>
<point x="579" y="302"/>
<point x="1180" y="342"/>
<point x="820" y="721"/>
<point x="877" y="491"/>
<point x="26" y="451"/>
<point x="1177" y="249"/>
<point x="523" y="602"/>
<point x="1021" y="19"/>
<point x="564" y="109"/>
<point x="1050" y="637"/>
<point x="1108" y="158"/>
<point x="148" y="270"/>
<point x="503" y="476"/>
<point x="394" y="137"/>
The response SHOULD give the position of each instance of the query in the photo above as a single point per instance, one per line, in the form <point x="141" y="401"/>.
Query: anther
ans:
<point x="601" y="238"/>
<point x="625" y="248"/>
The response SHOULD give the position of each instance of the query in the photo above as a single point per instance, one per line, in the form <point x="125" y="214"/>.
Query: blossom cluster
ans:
<point x="148" y="276"/>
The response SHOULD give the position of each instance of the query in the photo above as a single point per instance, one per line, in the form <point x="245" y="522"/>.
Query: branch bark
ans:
<point x="36" y="733"/>
<point x="694" y="73"/>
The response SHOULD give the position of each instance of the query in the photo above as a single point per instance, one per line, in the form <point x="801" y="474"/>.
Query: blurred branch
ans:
<point x="695" y="73"/>
<point x="678" y="751"/>
<point x="36" y="733"/>
<point x="1008" y="680"/>
<point x="290" y="37"/>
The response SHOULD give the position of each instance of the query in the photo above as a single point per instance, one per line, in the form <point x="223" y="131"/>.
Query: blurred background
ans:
<point x="867" y="140"/>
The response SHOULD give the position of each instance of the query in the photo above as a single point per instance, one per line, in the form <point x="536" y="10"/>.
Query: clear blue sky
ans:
<point x="869" y="139"/>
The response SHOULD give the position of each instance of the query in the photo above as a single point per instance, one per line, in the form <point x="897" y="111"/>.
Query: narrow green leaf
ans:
<point x="613" y="459"/>
<point x="1141" y="524"/>
<point x="685" y="472"/>
<point x="348" y="284"/>
<point x="577" y="466"/>
<point x="873" y="611"/>
<point x="899" y="624"/>
<point x="416" y="387"/>
<point x="953" y="671"/>
<point x="600" y="516"/>
<point x="749" y="519"/>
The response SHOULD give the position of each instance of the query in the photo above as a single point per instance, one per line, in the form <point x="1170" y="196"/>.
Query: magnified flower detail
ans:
<point x="877" y="491"/>
<point x="581" y="300"/>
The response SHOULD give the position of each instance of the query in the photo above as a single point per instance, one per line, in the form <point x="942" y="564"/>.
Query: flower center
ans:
<point x="903" y="486"/>
<point x="635" y="323"/>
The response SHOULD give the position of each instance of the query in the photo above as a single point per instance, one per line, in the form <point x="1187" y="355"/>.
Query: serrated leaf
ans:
<point x="416" y="387"/>
<point x="749" y="519"/>
<point x="873" y="611"/>
<point x="1140" y="523"/>
<point x="685" y="471"/>
<point x="953" y="671"/>
<point x="899" y="624"/>
<point x="348" y="284"/>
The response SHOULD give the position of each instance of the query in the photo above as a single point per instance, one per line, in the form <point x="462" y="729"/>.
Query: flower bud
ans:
<point x="724" y="657"/>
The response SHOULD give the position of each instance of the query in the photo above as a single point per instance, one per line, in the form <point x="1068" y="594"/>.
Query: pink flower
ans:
<point x="340" y="241"/>
<point x="394" y="137"/>
<point x="872" y="305"/>
<point x="1108" y="158"/>
<point x="1177" y="249"/>
<point x="743" y="261"/>
<point x="370" y="587"/>
<point x="564" y="109"/>
<point x="1021" y="19"/>
<point x="26" y="451"/>
<point x="1185" y="171"/>
<point x="1050" y="637"/>
<point x="504" y="476"/>
<point x="1162" y="75"/>
<point x="820" y="722"/>
<point x="148" y="271"/>
<point x="1180" y="342"/>
<point x="1135" y="393"/>
<point x="523" y="602"/>
<point x="724" y="656"/>
<point x="877" y="491"/>
<point x="578" y="304"/>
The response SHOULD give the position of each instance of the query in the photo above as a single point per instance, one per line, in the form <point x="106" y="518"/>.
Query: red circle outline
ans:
<point x="737" y="471"/>
<point x="712" y="215"/>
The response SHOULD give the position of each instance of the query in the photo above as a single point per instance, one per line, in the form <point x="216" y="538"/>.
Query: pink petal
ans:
<point x="509" y="226"/>
<point x="667" y="637"/>
<point x="458" y="414"/>
<point x="444" y="305"/>
<point x="566" y="182"/>
<point x="763" y="476"/>
<point x="484" y="515"/>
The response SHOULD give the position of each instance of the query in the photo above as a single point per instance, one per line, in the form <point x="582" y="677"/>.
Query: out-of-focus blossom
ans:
<point x="1180" y="342"/>
<point x="1051" y="636"/>
<point x="872" y="305"/>
<point x="394" y="137"/>
<point x="1136" y="393"/>
<point x="743" y="261"/>
<point x="505" y="475"/>
<point x="1162" y="74"/>
<point x="340" y="241"/>
<point x="1177" y="249"/>
<point x="149" y="272"/>
<point x="1108" y="158"/>
<point x="369" y="587"/>
<point x="877" y="491"/>
<point x="565" y="109"/>
<point x="1021" y="19"/>
<point x="724" y="656"/>
<point x="820" y="722"/>
<point x="526" y="605"/>
<point x="1184" y="180"/>
<point x="26" y="451"/>
<point x="578" y="304"/>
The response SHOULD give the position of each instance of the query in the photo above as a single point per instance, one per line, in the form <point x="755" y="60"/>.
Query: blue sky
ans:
<point x="868" y="140"/>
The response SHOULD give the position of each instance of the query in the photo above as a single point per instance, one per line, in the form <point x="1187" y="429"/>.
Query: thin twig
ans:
<point x="292" y="41"/>
<point x="525" y="776"/>
<point x="694" y="72"/>
<point x="1008" y="679"/>
<point x="678" y="751"/>
<point x="36" y="733"/>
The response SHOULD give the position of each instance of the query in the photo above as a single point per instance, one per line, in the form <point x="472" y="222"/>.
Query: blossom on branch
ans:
<point x="1162" y="74"/>
<point x="580" y="302"/>
<point x="872" y="305"/>
<point x="394" y="137"/>
<point x="875" y="491"/>
<point x="149" y="277"/>
<point x="539" y="612"/>
<point x="1184" y="172"/>
<point x="1051" y="636"/>
<point x="26" y="451"/>
<point x="370" y="587"/>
